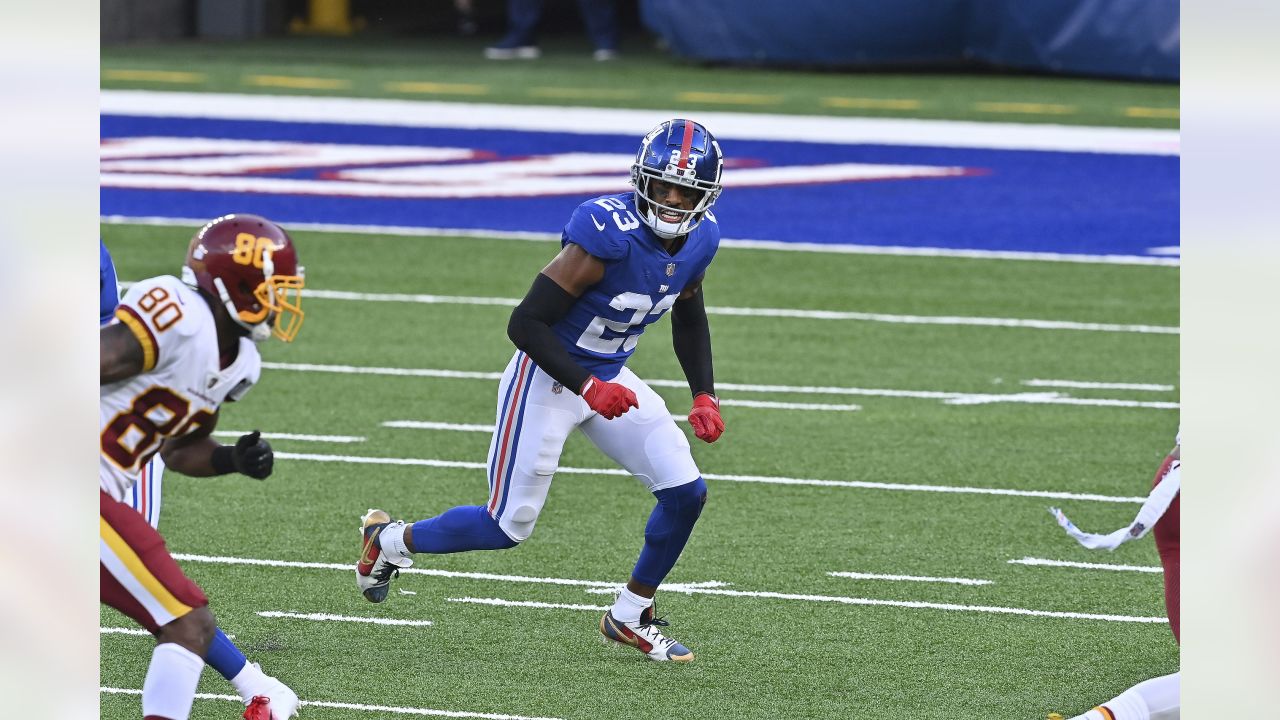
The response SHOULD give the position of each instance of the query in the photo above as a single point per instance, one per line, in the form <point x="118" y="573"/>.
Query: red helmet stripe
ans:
<point x="686" y="144"/>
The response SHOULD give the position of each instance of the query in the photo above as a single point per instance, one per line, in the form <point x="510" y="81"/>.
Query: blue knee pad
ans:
<point x="668" y="530"/>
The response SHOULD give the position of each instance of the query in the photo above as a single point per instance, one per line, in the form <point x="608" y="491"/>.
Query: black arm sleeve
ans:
<point x="544" y="305"/>
<point x="692" y="340"/>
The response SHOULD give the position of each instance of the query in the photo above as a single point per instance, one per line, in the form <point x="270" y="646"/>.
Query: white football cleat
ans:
<point x="374" y="570"/>
<point x="645" y="636"/>
<point x="271" y="700"/>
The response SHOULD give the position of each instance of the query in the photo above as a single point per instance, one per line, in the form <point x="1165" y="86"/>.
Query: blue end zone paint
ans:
<point x="1083" y="203"/>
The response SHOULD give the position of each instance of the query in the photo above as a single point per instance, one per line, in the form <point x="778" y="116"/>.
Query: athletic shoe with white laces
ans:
<point x="645" y="636"/>
<point x="374" y="570"/>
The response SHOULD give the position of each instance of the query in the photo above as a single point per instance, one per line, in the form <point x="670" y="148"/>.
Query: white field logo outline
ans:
<point x="426" y="172"/>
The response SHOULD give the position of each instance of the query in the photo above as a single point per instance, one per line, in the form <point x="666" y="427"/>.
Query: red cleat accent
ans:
<point x="259" y="708"/>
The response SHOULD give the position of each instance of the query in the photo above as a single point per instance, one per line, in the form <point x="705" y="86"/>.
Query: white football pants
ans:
<point x="536" y="415"/>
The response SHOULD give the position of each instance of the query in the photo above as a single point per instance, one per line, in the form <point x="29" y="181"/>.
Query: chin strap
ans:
<point x="260" y="332"/>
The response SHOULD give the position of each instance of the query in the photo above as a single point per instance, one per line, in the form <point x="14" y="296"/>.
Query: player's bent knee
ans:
<point x="690" y="498"/>
<point x="518" y="526"/>
<point x="193" y="631"/>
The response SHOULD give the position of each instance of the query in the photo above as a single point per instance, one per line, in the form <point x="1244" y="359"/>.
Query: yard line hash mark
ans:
<point x="1032" y="323"/>
<point x="326" y="617"/>
<point x="296" y="81"/>
<point x="950" y="398"/>
<point x="132" y="631"/>
<point x="1086" y="385"/>
<point x="765" y="479"/>
<point x="1087" y="566"/>
<point x="353" y="706"/>
<point x="705" y="588"/>
<point x="909" y="578"/>
<point x="164" y="76"/>
<point x="526" y="604"/>
<point x="427" y="425"/>
<point x="295" y="436"/>
<point x="916" y="604"/>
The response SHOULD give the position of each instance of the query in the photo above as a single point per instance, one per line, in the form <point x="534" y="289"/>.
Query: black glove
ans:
<point x="252" y="456"/>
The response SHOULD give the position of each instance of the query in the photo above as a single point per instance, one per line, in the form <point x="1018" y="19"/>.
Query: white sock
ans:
<point x="628" y="606"/>
<point x="170" y="687"/>
<point x="391" y="540"/>
<point x="1155" y="699"/>
<point x="1163" y="696"/>
<point x="249" y="681"/>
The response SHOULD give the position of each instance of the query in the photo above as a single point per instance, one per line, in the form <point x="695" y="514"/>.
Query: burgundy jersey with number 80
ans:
<point x="182" y="383"/>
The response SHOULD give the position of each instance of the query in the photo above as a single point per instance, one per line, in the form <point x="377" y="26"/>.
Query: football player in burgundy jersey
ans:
<point x="175" y="351"/>
<point x="625" y="260"/>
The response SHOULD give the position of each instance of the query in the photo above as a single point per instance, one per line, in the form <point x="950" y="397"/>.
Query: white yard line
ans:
<point x="1087" y="566"/>
<point x="765" y="479"/>
<point x="776" y="313"/>
<point x="350" y="567"/>
<point x="615" y="121"/>
<point x="909" y="578"/>
<point x="123" y="631"/>
<point x="769" y="312"/>
<point x="1086" y="385"/>
<point x="353" y="706"/>
<point x="923" y="605"/>
<point x="294" y="436"/>
<point x="702" y="588"/>
<point x="951" y="398"/>
<point x="134" y="631"/>
<point x="767" y="404"/>
<point x="526" y="604"/>
<point x="326" y="617"/>
<point x="427" y="425"/>
<point x="726" y="243"/>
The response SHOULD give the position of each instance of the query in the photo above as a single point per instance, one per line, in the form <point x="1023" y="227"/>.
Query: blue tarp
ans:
<point x="1120" y="38"/>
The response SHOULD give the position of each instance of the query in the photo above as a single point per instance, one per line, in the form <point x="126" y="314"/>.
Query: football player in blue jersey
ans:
<point x="108" y="286"/>
<point x="625" y="261"/>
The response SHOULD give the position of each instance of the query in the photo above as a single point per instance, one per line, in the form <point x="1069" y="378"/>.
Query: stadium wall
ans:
<point x="1138" y="39"/>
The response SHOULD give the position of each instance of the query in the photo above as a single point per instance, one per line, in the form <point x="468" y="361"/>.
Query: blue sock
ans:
<point x="467" y="527"/>
<point x="668" y="530"/>
<point x="224" y="656"/>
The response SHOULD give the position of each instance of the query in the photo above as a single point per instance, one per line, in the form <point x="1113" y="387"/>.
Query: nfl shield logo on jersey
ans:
<point x="671" y="269"/>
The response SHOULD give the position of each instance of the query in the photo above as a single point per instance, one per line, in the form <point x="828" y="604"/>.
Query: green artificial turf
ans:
<point x="757" y="657"/>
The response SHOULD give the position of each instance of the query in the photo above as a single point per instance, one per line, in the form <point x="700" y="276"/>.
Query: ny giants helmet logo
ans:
<point x="673" y="166"/>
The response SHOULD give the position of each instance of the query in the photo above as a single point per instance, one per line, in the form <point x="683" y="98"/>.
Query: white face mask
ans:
<point x="670" y="229"/>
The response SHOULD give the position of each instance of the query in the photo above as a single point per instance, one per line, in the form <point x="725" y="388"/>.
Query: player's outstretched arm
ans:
<point x="553" y="293"/>
<point x="1157" y="502"/>
<point x="199" y="455"/>
<point x="120" y="355"/>
<point x="691" y="337"/>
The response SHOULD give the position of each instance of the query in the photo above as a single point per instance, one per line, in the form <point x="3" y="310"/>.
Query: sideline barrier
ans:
<point x="1137" y="39"/>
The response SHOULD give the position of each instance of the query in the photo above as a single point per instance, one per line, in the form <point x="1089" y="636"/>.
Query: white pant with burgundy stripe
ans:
<point x="536" y="415"/>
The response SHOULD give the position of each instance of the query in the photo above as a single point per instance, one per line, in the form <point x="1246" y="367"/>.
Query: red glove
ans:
<point x="705" y="417"/>
<point x="608" y="399"/>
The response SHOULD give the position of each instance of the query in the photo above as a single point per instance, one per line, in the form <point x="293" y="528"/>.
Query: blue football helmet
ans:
<point x="680" y="152"/>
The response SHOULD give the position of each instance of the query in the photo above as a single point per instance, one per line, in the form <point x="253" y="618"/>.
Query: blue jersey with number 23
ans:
<point x="641" y="280"/>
